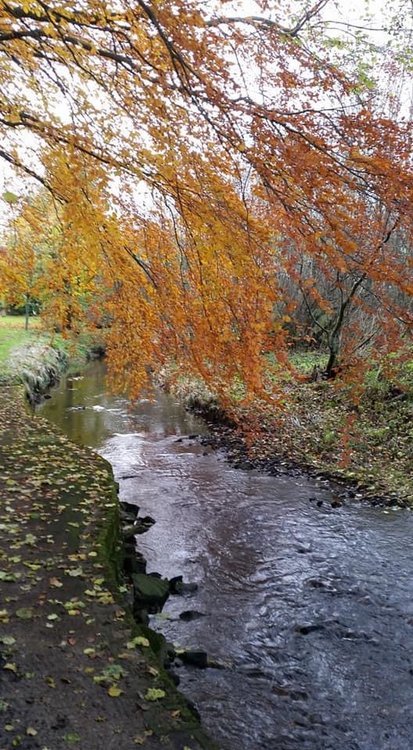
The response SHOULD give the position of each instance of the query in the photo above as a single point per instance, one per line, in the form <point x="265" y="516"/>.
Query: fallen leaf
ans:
<point x="11" y="667"/>
<point x="56" y="583"/>
<point x="140" y="640"/>
<point x="114" y="691"/>
<point x="24" y="613"/>
<point x="7" y="640"/>
<point x="154" y="694"/>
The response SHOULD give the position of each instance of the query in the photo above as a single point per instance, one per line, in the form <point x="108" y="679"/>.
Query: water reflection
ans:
<point x="89" y="414"/>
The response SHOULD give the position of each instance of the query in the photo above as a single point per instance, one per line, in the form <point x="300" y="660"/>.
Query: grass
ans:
<point x="38" y="358"/>
<point x="17" y="344"/>
<point x="306" y="361"/>
<point x="14" y="336"/>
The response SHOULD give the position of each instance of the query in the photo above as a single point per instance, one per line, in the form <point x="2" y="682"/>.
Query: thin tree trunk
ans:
<point x="26" y="313"/>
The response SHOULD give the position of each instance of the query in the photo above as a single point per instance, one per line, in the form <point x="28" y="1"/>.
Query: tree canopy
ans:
<point x="214" y="171"/>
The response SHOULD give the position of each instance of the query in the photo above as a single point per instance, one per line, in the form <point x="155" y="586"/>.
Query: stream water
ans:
<point x="310" y="608"/>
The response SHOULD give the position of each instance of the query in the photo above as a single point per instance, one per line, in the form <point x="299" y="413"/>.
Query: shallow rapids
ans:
<point x="308" y="609"/>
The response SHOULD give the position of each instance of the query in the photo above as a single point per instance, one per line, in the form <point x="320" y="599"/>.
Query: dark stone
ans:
<point x="315" y="583"/>
<point x="139" y="527"/>
<point x="319" y="503"/>
<point x="174" y="677"/>
<point x="173" y="583"/>
<point x="195" y="658"/>
<point x="192" y="437"/>
<point x="336" y="504"/>
<point x="129" y="508"/>
<point x="177" y="586"/>
<point x="193" y="709"/>
<point x="191" y="614"/>
<point x="134" y="563"/>
<point x="312" y="499"/>
<point x="150" y="592"/>
<point x="306" y="629"/>
<point x="127" y="518"/>
<point x="140" y="615"/>
<point x="147" y="521"/>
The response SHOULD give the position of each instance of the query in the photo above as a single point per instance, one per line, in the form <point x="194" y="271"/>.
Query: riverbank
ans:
<point x="365" y="445"/>
<point x="38" y="359"/>
<point x="75" y="669"/>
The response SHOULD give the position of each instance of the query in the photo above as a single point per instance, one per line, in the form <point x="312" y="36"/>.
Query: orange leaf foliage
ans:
<point x="195" y="160"/>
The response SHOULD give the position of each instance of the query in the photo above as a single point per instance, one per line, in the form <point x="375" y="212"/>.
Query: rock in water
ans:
<point x="149" y="592"/>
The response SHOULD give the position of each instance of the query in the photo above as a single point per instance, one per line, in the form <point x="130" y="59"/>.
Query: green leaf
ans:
<point x="7" y="640"/>
<point x="24" y="613"/>
<point x="9" y="577"/>
<point x="140" y="640"/>
<point x="10" y="197"/>
<point x="71" y="737"/>
<point x="154" y="694"/>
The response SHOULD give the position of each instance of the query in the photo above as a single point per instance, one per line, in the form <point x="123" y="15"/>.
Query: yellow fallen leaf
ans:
<point x="114" y="691"/>
<point x="11" y="667"/>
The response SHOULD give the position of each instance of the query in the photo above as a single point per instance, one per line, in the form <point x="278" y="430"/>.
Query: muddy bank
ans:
<point x="262" y="451"/>
<point x="358" y="437"/>
<point x="75" y="668"/>
<point x="362" y="447"/>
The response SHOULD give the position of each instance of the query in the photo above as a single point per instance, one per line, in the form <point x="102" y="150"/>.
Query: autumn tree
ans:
<point x="49" y="254"/>
<point x="167" y="106"/>
<point x="19" y="262"/>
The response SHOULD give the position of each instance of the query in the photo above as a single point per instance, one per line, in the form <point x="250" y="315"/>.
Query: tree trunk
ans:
<point x="26" y="313"/>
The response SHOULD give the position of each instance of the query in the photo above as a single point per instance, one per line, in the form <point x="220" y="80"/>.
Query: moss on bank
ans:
<point x="70" y="671"/>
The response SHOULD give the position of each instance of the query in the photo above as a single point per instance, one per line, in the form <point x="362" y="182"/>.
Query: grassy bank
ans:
<point x="14" y="336"/>
<point x="73" y="672"/>
<point x="37" y="358"/>
<point x="320" y="425"/>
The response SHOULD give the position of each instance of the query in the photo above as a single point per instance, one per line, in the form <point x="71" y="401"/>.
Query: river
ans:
<point x="309" y="608"/>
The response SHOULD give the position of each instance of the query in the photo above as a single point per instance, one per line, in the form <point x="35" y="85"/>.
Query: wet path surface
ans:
<point x="310" y="608"/>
